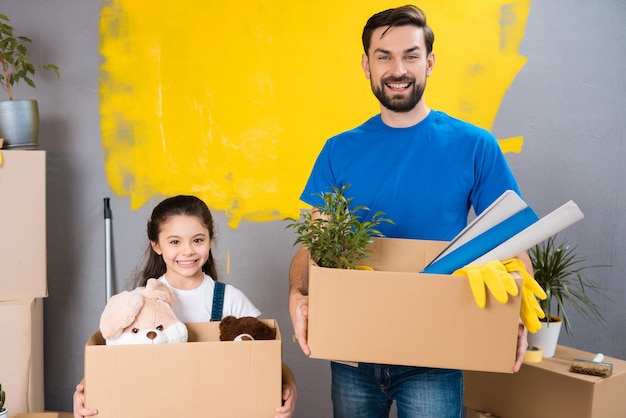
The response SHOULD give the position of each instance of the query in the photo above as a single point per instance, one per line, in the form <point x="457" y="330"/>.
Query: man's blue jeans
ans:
<point x="367" y="391"/>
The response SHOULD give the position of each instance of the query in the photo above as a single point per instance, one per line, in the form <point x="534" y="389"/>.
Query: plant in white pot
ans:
<point x="338" y="238"/>
<point x="3" y="398"/>
<point x="19" y="119"/>
<point x="559" y="271"/>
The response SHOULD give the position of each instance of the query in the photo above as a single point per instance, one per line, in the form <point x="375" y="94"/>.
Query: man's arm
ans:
<point x="299" y="294"/>
<point x="299" y="297"/>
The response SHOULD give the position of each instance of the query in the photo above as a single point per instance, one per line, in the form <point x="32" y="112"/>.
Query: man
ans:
<point x="424" y="170"/>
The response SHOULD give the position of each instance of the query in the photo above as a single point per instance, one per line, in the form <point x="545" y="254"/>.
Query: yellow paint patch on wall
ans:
<point x="512" y="144"/>
<point x="232" y="101"/>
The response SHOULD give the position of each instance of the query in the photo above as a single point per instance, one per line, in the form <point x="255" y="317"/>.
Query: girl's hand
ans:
<point x="290" y="393"/>
<point x="79" y="402"/>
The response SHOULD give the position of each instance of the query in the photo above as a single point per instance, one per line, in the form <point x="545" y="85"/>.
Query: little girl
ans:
<point x="180" y="231"/>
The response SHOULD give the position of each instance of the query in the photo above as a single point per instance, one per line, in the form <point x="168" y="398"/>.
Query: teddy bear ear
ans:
<point x="229" y="318"/>
<point x="262" y="331"/>
<point x="158" y="290"/>
<point x="119" y="312"/>
<point x="227" y="321"/>
<point x="227" y="328"/>
<point x="269" y="334"/>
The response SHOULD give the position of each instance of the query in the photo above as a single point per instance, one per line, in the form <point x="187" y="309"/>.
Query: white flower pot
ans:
<point x="547" y="337"/>
<point x="4" y="413"/>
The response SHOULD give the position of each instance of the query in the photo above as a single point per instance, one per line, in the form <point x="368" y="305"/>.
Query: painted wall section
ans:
<point x="232" y="101"/>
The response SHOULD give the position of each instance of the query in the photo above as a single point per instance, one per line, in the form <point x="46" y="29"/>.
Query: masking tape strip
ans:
<point x="366" y="268"/>
<point x="533" y="355"/>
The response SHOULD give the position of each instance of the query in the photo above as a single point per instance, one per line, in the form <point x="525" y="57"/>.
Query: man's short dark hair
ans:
<point x="400" y="16"/>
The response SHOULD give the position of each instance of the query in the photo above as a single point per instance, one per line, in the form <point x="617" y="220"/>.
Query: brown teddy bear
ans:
<point x="246" y="328"/>
<point x="145" y="317"/>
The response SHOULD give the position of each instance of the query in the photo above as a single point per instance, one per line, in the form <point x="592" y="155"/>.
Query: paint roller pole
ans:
<point x="107" y="245"/>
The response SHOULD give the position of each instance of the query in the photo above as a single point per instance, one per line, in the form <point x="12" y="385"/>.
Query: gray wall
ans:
<point x="567" y="102"/>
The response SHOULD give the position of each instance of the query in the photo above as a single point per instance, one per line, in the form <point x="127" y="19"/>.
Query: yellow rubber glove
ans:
<point x="531" y="310"/>
<point x="492" y="275"/>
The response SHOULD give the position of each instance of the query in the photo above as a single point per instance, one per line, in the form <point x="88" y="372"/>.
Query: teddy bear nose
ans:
<point x="151" y="335"/>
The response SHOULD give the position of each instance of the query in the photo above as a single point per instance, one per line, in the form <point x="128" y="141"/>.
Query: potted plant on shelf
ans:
<point x="3" y="398"/>
<point x="338" y="238"/>
<point x="19" y="119"/>
<point x="559" y="271"/>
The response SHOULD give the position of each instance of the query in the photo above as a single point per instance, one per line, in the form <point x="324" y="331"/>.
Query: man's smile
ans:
<point x="398" y="86"/>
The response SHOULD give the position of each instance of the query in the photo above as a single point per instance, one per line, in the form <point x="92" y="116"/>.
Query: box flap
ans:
<point x="210" y="331"/>
<point x="198" y="332"/>
<point x="401" y="255"/>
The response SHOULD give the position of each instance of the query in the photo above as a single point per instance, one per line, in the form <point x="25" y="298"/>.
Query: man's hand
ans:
<point x="298" y="297"/>
<point x="522" y="345"/>
<point x="299" y="312"/>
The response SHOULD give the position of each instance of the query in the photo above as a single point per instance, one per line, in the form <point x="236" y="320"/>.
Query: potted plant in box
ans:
<point x="338" y="238"/>
<point x="3" y="398"/>
<point x="559" y="271"/>
<point x="19" y="119"/>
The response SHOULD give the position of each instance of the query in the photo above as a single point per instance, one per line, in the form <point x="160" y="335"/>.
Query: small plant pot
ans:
<point x="547" y="337"/>
<point x="4" y="413"/>
<point x="19" y="124"/>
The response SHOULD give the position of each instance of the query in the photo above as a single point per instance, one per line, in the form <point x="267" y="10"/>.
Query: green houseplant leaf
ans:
<point x="559" y="271"/>
<point x="338" y="238"/>
<point x="15" y="62"/>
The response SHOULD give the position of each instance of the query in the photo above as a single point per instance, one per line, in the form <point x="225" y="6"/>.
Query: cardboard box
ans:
<point x="549" y="389"/>
<point x="202" y="378"/>
<point x="23" y="225"/>
<point x="395" y="315"/>
<point x="21" y="359"/>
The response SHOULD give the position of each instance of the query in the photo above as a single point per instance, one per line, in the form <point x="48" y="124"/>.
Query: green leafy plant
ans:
<point x="15" y="59"/>
<point x="337" y="238"/>
<point x="3" y="398"/>
<point x="558" y="270"/>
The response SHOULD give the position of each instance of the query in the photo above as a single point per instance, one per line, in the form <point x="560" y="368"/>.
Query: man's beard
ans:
<point x="398" y="103"/>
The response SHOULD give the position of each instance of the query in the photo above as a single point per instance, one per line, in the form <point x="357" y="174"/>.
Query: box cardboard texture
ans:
<point x="21" y="361"/>
<point x="394" y="315"/>
<point x="23" y="219"/>
<point x="202" y="378"/>
<point x="549" y="389"/>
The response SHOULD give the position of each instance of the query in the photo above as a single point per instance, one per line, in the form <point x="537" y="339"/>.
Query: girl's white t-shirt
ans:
<point x="195" y="305"/>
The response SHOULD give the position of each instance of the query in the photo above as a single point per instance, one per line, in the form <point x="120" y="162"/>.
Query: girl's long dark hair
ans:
<point x="154" y="266"/>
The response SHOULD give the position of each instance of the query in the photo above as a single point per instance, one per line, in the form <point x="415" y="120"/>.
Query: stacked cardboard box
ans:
<point x="549" y="389"/>
<point x="23" y="281"/>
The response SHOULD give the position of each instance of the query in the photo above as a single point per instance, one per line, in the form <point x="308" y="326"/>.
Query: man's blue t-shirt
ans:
<point x="424" y="178"/>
